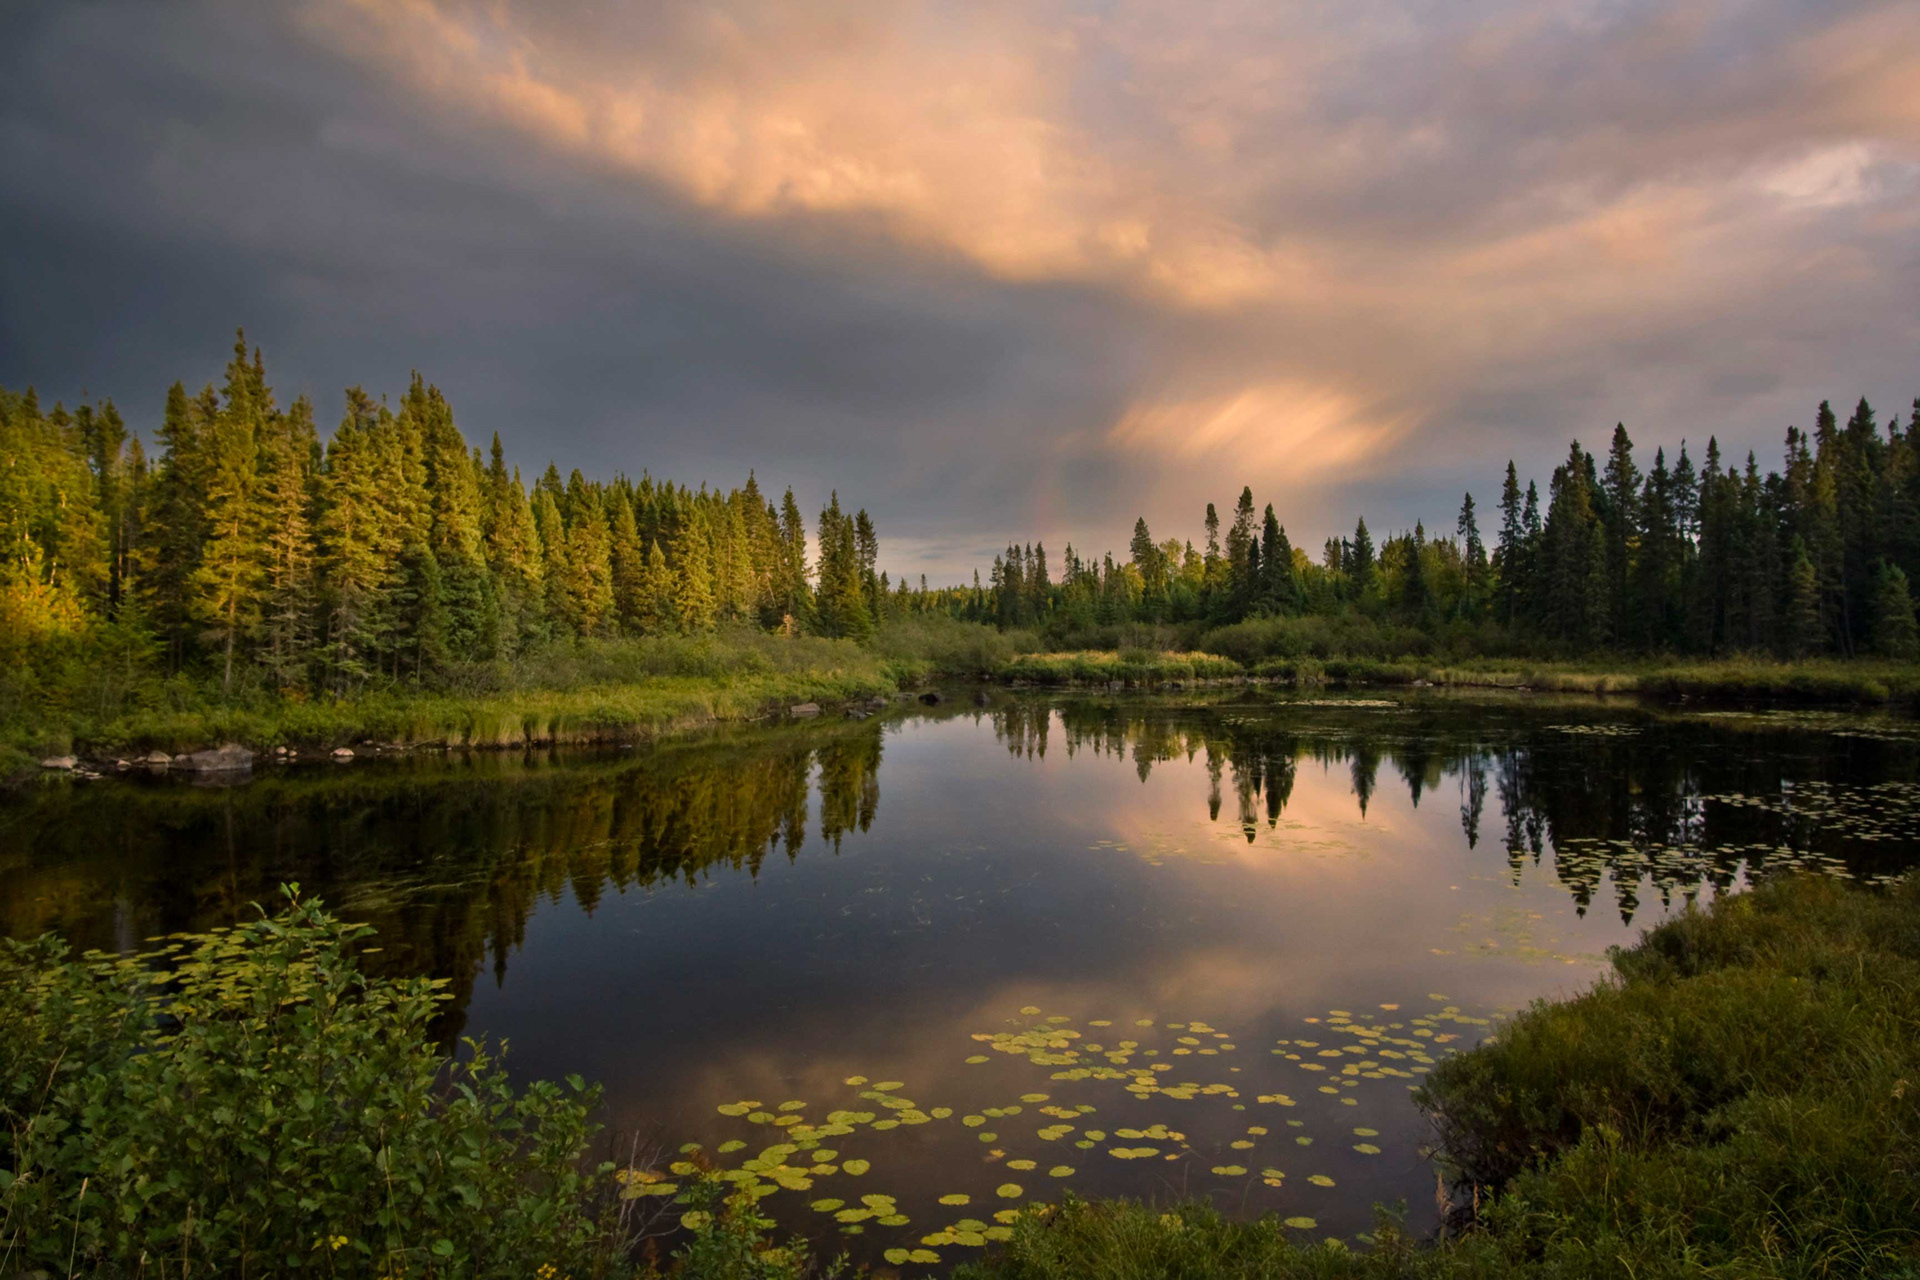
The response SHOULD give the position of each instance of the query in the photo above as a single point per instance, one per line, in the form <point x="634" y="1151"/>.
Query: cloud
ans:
<point x="996" y="270"/>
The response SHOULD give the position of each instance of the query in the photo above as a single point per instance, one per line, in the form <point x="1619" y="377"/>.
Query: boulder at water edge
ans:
<point x="231" y="758"/>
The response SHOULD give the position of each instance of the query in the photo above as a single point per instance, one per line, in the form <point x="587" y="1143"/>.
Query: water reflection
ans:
<point x="1628" y="798"/>
<point x="741" y="918"/>
<point x="447" y="858"/>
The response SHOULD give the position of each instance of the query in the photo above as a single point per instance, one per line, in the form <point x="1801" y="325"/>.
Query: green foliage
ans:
<point x="247" y="1102"/>
<point x="579" y="690"/>
<point x="1739" y="1102"/>
<point x="1739" y="1098"/>
<point x="1126" y="666"/>
<point x="387" y="560"/>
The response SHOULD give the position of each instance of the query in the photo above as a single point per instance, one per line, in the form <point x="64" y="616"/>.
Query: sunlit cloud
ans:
<point x="1296" y="430"/>
<point x="1001" y="270"/>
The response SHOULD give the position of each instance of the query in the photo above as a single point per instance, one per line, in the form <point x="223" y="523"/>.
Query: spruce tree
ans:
<point x="555" y="574"/>
<point x="174" y="525"/>
<point x="1360" y="561"/>
<point x="630" y="602"/>
<point x="693" y="574"/>
<point x="654" y="609"/>
<point x="227" y="584"/>
<point x="1895" y="633"/>
<point x="1622" y="517"/>
<point x="1801" y="632"/>
<point x="288" y="492"/>
<point x="587" y="573"/>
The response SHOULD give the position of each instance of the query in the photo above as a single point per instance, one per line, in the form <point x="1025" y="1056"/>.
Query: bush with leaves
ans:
<point x="247" y="1102"/>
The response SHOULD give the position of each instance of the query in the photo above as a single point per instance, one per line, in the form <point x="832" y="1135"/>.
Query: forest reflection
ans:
<point x="1631" y="800"/>
<point x="450" y="857"/>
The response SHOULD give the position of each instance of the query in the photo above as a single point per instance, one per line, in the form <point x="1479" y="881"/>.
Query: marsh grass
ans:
<point x="581" y="692"/>
<point x="1131" y="667"/>
<point x="1731" y="679"/>
<point x="1741" y="1099"/>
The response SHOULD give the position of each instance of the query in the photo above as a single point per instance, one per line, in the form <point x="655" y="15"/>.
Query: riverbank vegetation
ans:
<point x="576" y="692"/>
<point x="1738" y="1100"/>
<point x="250" y="581"/>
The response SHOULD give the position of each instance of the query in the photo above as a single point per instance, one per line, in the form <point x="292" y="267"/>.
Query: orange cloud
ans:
<point x="1293" y="431"/>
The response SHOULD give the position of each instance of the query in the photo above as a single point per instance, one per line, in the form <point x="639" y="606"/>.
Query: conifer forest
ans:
<point x="245" y="549"/>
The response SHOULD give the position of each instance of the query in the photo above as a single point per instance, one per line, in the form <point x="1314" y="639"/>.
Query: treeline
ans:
<point x="1816" y="558"/>
<point x="250" y="550"/>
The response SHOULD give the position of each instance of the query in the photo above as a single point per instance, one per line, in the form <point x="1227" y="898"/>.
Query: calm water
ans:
<point x="1030" y="932"/>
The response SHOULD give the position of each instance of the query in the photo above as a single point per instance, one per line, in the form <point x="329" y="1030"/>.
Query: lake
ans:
<point x="1119" y="944"/>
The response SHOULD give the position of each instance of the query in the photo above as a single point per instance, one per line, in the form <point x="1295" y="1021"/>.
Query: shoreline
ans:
<point x="657" y="707"/>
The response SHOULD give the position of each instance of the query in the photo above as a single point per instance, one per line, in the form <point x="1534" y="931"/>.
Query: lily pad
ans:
<point x="1009" y="1191"/>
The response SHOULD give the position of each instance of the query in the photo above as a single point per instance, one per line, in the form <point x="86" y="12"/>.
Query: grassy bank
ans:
<point x="1131" y="667"/>
<point x="585" y="691"/>
<point x="1732" y="679"/>
<point x="1741" y="1099"/>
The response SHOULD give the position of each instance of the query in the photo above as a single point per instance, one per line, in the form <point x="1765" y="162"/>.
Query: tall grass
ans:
<point x="584" y="691"/>
<point x="1132" y="667"/>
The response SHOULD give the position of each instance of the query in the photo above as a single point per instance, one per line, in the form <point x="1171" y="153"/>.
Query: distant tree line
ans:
<point x="1814" y="559"/>
<point x="249" y="548"/>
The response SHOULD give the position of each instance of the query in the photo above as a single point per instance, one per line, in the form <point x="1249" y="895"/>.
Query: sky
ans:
<point x="994" y="271"/>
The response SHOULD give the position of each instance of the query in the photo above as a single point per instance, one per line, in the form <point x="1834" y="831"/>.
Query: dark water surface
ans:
<point x="1252" y="921"/>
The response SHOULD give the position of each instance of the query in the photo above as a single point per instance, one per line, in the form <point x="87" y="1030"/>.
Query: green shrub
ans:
<point x="248" y="1103"/>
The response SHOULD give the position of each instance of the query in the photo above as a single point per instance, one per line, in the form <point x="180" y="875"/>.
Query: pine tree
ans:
<point x="866" y="544"/>
<point x="174" y="525"/>
<point x="1622" y="516"/>
<point x="1895" y="633"/>
<point x="792" y="596"/>
<point x="1801" y="632"/>
<point x="1361" y="559"/>
<point x="693" y="574"/>
<point x="654" y="609"/>
<point x="227" y="583"/>
<point x="551" y="530"/>
<point x="630" y="602"/>
<point x="288" y="492"/>
<point x="1242" y="548"/>
<point x="586" y="576"/>
<point x="515" y="558"/>
<point x="1473" y="550"/>
<point x="1510" y="558"/>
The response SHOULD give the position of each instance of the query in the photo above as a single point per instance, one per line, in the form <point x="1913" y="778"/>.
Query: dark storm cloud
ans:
<point x="994" y="270"/>
<point x="209" y="169"/>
